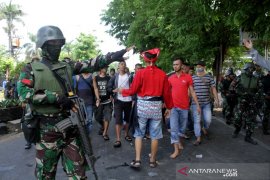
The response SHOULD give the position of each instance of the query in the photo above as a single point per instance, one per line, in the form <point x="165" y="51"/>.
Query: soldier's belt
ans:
<point x="64" y="125"/>
<point x="50" y="120"/>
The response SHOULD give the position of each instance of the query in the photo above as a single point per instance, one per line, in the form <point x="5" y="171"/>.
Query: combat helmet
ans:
<point x="229" y="72"/>
<point x="47" y="33"/>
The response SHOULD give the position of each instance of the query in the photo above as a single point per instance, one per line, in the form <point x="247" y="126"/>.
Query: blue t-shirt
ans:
<point x="84" y="91"/>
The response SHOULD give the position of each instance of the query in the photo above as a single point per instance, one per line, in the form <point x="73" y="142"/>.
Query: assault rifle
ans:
<point x="77" y="118"/>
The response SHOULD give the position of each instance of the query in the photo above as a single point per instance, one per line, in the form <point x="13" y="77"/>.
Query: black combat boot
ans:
<point x="264" y="127"/>
<point x="249" y="139"/>
<point x="266" y="132"/>
<point x="27" y="146"/>
<point x="228" y="121"/>
<point x="236" y="132"/>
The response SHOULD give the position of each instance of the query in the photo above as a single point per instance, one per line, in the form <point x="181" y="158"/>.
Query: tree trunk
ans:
<point x="219" y="59"/>
<point x="10" y="44"/>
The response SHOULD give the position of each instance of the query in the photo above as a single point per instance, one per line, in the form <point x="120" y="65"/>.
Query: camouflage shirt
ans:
<point x="25" y="85"/>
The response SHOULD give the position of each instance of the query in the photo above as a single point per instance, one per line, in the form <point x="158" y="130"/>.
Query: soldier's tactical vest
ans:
<point x="45" y="79"/>
<point x="250" y="84"/>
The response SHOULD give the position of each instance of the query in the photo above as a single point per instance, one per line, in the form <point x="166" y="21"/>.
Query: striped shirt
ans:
<point x="202" y="85"/>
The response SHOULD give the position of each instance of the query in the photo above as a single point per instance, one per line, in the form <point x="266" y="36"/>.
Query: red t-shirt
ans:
<point x="180" y="87"/>
<point x="151" y="81"/>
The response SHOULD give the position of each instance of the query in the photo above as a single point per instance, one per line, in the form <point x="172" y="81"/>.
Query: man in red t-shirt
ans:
<point x="181" y="85"/>
<point x="151" y="86"/>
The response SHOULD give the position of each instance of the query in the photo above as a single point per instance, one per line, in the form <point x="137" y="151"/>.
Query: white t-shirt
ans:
<point x="123" y="82"/>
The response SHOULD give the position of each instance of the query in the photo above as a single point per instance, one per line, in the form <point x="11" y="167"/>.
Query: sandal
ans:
<point x="117" y="144"/>
<point x="128" y="138"/>
<point x="186" y="136"/>
<point x="207" y="136"/>
<point x="135" y="164"/>
<point x="106" y="137"/>
<point x="197" y="143"/>
<point x="153" y="164"/>
<point x="100" y="131"/>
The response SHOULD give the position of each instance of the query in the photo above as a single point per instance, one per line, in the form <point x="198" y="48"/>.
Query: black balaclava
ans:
<point x="249" y="71"/>
<point x="51" y="52"/>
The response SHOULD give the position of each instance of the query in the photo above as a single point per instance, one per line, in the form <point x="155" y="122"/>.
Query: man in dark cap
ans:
<point x="203" y="85"/>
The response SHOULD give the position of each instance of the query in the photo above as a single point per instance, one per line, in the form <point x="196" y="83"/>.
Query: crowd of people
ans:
<point x="137" y="102"/>
<point x="10" y="88"/>
<point x="246" y="97"/>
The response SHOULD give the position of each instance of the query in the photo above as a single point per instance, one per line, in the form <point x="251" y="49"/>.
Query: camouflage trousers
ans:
<point x="228" y="108"/>
<point x="266" y="115"/>
<point x="54" y="145"/>
<point x="245" y="113"/>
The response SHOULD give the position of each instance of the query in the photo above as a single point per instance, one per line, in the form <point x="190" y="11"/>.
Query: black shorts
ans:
<point x="119" y="108"/>
<point x="103" y="112"/>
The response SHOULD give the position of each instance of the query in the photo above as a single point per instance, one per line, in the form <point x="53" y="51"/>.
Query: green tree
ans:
<point x="194" y="29"/>
<point x="190" y="29"/>
<point x="10" y="12"/>
<point x="6" y="63"/>
<point x="18" y="69"/>
<point x="84" y="47"/>
<point x="30" y="48"/>
<point x="67" y="51"/>
<point x="252" y="16"/>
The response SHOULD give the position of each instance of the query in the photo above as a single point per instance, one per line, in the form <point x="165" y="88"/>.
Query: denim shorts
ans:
<point x="155" y="128"/>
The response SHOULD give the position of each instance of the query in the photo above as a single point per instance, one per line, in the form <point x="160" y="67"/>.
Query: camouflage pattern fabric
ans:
<point x="245" y="111"/>
<point x="266" y="114"/>
<point x="266" y="101"/>
<point x="229" y="100"/>
<point x="26" y="91"/>
<point x="52" y="146"/>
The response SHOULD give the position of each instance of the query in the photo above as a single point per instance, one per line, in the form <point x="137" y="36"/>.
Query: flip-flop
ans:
<point x="106" y="137"/>
<point x="117" y="144"/>
<point x="128" y="138"/>
<point x="197" y="143"/>
<point x="135" y="164"/>
<point x="153" y="164"/>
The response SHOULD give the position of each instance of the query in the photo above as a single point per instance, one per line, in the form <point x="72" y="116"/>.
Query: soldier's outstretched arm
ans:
<point x="256" y="57"/>
<point x="101" y="61"/>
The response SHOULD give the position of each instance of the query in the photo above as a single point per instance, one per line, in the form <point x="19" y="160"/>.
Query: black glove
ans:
<point x="64" y="102"/>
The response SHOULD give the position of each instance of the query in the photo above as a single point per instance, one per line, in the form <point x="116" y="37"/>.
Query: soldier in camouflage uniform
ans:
<point x="39" y="87"/>
<point x="228" y="95"/>
<point x="247" y="89"/>
<point x="266" y="103"/>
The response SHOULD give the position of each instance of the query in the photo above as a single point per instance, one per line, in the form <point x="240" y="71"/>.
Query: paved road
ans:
<point x="16" y="163"/>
